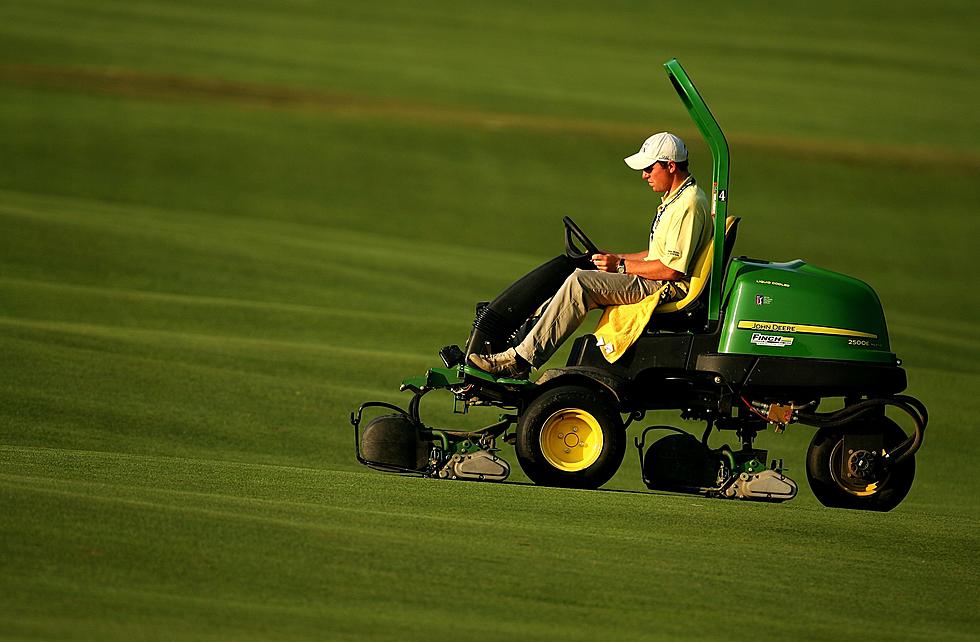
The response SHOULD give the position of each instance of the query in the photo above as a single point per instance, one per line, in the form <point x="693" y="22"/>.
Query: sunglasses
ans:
<point x="649" y="170"/>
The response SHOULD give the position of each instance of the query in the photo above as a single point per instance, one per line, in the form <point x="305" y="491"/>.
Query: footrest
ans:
<point x="475" y="372"/>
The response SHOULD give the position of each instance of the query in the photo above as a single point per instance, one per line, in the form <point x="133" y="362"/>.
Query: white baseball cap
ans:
<point x="659" y="147"/>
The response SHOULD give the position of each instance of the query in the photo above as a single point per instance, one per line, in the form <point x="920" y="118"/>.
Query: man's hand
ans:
<point x="606" y="262"/>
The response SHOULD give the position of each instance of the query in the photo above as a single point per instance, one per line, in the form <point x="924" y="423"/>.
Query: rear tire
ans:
<point x="881" y="490"/>
<point x="571" y="437"/>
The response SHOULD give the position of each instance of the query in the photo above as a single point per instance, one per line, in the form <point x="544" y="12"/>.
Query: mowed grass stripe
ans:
<point x="365" y="270"/>
<point x="157" y="87"/>
<point x="223" y="507"/>
<point x="310" y="515"/>
<point x="338" y="263"/>
<point x="122" y="296"/>
<point x="257" y="363"/>
<point x="237" y="481"/>
<point x="188" y="224"/>
<point x="271" y="375"/>
<point x="191" y="340"/>
<point x="321" y="515"/>
<point x="76" y="391"/>
<point x="587" y="58"/>
<point x="525" y="536"/>
<point x="246" y="329"/>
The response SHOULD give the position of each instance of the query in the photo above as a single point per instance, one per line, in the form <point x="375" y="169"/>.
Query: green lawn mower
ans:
<point x="754" y="345"/>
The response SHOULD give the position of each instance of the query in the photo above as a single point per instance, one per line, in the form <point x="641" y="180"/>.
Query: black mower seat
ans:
<point x="700" y="275"/>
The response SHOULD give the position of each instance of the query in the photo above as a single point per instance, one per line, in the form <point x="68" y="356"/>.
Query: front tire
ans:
<point x="856" y="480"/>
<point x="571" y="437"/>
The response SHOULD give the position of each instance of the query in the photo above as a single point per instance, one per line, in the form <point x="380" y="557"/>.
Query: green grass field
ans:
<point x="223" y="225"/>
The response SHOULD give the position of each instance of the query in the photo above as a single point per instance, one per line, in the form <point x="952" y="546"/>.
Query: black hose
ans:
<point x="918" y="405"/>
<point x="920" y="416"/>
<point x="707" y="431"/>
<point x="640" y="441"/>
<point x="909" y="405"/>
<point x="413" y="408"/>
<point x="842" y="416"/>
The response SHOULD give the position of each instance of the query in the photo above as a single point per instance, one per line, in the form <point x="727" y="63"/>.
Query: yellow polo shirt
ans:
<point x="681" y="227"/>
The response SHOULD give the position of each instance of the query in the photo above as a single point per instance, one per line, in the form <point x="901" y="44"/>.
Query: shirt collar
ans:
<point x="670" y="196"/>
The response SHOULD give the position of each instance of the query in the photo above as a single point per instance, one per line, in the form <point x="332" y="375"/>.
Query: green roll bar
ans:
<point x="719" y="174"/>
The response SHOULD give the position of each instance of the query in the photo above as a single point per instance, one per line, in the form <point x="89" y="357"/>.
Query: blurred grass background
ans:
<point x="225" y="224"/>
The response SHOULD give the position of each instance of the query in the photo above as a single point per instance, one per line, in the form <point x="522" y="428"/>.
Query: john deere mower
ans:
<point x="754" y="345"/>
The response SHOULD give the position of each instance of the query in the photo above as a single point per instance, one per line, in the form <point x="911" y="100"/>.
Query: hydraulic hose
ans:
<point x="909" y="405"/>
<point x="442" y="437"/>
<point x="729" y="455"/>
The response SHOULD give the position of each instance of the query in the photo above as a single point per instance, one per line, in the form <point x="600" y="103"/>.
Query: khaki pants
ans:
<point x="582" y="291"/>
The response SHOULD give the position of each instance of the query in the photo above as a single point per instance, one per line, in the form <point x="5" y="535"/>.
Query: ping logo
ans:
<point x="771" y="340"/>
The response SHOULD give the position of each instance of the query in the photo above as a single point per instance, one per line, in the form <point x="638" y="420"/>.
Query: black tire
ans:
<point x="836" y="489"/>
<point x="554" y="434"/>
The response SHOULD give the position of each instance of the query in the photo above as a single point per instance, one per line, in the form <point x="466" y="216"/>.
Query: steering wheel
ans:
<point x="574" y="233"/>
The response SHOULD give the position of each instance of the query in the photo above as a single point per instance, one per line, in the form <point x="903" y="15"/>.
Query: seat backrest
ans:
<point x="701" y="270"/>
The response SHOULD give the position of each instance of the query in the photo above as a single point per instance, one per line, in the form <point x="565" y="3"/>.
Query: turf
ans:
<point x="224" y="225"/>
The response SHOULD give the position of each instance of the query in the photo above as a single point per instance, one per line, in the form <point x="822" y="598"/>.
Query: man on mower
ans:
<point x="681" y="227"/>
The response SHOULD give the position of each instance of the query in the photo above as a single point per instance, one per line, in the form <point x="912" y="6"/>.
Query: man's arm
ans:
<point x="635" y="256"/>
<point x="635" y="264"/>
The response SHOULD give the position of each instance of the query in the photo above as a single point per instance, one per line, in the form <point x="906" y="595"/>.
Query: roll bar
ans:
<point x="719" y="174"/>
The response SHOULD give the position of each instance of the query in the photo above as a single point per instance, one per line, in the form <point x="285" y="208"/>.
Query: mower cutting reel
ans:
<point x="755" y="345"/>
<point x="398" y="442"/>
<point x="681" y="463"/>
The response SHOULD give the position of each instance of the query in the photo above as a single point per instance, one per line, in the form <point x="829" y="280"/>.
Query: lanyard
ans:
<point x="663" y="206"/>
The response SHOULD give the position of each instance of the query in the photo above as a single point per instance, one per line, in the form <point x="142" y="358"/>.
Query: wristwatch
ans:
<point x="621" y="268"/>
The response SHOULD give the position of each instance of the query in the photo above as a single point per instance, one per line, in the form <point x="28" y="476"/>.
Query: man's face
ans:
<point x="659" y="176"/>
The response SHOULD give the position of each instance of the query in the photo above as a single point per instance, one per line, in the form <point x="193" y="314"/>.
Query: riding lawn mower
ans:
<point x="753" y="345"/>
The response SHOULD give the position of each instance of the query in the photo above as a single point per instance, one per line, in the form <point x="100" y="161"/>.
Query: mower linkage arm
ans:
<point x="412" y="414"/>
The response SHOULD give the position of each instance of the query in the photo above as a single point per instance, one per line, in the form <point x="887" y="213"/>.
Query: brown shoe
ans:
<point x="502" y="364"/>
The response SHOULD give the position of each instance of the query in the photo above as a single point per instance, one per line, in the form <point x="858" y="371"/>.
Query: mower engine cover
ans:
<point x="797" y="310"/>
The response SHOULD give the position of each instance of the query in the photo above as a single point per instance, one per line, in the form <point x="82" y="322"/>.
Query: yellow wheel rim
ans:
<point x="571" y="440"/>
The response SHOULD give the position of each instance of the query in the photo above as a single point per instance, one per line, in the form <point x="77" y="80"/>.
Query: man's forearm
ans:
<point x="636" y="263"/>
<point x="652" y="269"/>
<point x="634" y="256"/>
